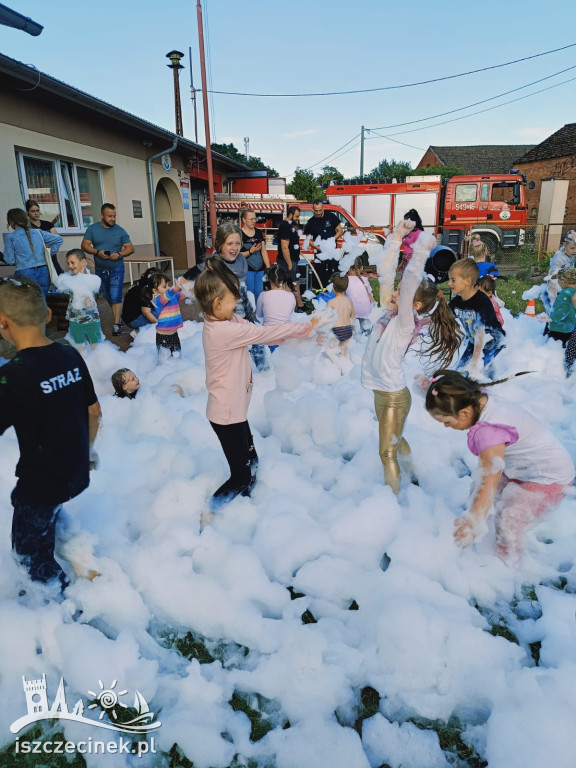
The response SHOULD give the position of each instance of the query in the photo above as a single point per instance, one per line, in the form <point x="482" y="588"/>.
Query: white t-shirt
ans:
<point x="537" y="456"/>
<point x="275" y="306"/>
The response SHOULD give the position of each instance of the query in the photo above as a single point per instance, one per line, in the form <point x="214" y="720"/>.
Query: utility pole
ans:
<point x="211" y="202"/>
<point x="175" y="66"/>
<point x="193" y="97"/>
<point x="362" y="153"/>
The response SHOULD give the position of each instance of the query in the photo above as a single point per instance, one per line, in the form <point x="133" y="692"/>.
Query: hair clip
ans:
<point x="435" y="392"/>
<point x="433" y="379"/>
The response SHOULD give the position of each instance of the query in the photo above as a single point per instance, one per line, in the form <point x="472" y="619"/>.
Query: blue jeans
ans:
<point x="40" y="275"/>
<point x="254" y="283"/>
<point x="33" y="540"/>
<point x="112" y="282"/>
<point x="142" y="322"/>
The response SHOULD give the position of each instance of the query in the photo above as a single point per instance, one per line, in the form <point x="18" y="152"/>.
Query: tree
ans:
<point x="305" y="186"/>
<point x="229" y="150"/>
<point x="446" y="171"/>
<point x="329" y="174"/>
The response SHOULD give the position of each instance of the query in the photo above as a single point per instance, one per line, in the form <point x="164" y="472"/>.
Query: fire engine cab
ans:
<point x="494" y="206"/>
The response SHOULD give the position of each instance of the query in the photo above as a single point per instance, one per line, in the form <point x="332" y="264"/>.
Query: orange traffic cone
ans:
<point x="530" y="310"/>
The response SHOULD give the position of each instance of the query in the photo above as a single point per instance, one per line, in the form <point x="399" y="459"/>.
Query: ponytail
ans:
<point x="445" y="333"/>
<point x="18" y="218"/>
<point x="450" y="392"/>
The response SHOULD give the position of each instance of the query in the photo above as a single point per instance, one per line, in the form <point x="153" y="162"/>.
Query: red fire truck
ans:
<point x="494" y="206"/>
<point x="270" y="210"/>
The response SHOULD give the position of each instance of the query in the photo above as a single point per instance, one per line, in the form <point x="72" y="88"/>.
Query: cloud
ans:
<point x="534" y="133"/>
<point x="295" y="134"/>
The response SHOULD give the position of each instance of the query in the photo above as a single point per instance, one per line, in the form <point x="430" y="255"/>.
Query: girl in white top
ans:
<point x="418" y="304"/>
<point x="360" y="292"/>
<point x="523" y="469"/>
<point x="276" y="303"/>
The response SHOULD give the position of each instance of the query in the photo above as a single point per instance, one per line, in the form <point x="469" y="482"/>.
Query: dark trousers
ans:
<point x="170" y="341"/>
<point x="325" y="270"/>
<point x="33" y="540"/>
<point x="570" y="354"/>
<point x="238" y="446"/>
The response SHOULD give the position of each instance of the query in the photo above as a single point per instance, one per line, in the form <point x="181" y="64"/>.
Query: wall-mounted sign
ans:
<point x="166" y="163"/>
<point x="137" y="209"/>
<point x="185" y="187"/>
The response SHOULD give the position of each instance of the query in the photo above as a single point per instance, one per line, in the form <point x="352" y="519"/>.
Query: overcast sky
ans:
<point x="116" y="51"/>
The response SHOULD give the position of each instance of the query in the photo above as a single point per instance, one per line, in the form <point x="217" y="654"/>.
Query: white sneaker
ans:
<point x="134" y="333"/>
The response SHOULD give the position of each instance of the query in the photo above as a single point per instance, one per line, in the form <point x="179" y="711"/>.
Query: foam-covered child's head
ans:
<point x="22" y="301"/>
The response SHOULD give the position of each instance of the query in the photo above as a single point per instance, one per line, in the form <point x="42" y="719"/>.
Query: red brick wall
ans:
<point x="558" y="168"/>
<point x="430" y="160"/>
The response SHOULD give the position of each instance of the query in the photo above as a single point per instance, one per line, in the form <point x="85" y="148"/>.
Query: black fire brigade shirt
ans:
<point x="324" y="227"/>
<point x="44" y="394"/>
<point x="287" y="231"/>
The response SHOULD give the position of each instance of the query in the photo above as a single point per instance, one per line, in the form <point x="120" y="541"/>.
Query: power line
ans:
<point x="475" y="104"/>
<point x="372" y="130"/>
<point x="488" y="109"/>
<point x="396" y="87"/>
<point x="309" y="168"/>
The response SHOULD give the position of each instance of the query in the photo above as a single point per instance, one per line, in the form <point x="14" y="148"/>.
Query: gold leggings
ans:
<point x="391" y="411"/>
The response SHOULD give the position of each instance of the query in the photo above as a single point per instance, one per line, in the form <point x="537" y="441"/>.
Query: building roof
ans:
<point x="483" y="158"/>
<point x="16" y="73"/>
<point x="560" y="144"/>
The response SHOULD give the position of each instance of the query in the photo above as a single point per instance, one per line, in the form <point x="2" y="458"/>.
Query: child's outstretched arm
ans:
<point x="473" y="524"/>
<point x="412" y="278"/>
<point x="389" y="260"/>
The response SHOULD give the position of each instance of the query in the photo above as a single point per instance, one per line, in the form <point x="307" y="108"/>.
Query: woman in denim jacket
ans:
<point x="24" y="248"/>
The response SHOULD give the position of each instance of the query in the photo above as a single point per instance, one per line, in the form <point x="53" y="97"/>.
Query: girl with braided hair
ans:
<point x="524" y="470"/>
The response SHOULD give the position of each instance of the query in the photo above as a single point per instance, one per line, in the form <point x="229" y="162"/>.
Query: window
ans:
<point x="484" y="193"/>
<point x="506" y="193"/>
<point x="465" y="193"/>
<point x="70" y="195"/>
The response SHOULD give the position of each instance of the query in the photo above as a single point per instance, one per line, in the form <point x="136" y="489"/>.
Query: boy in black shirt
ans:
<point x="476" y="314"/>
<point x="47" y="395"/>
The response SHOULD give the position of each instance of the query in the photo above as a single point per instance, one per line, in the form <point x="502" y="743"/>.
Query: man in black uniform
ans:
<point x="323" y="224"/>
<point x="289" y="251"/>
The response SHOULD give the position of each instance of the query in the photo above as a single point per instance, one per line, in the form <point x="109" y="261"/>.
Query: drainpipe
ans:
<point x="153" y="196"/>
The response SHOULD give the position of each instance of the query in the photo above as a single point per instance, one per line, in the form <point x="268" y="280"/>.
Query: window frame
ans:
<point x="56" y="161"/>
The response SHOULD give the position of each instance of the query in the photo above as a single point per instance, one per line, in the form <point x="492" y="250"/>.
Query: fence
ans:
<point x="540" y="242"/>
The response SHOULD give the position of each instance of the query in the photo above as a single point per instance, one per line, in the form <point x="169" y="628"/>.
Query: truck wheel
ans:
<point x="491" y="242"/>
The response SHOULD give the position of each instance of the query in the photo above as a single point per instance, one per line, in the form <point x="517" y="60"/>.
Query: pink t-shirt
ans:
<point x="275" y="306"/>
<point x="359" y="292"/>
<point x="532" y="454"/>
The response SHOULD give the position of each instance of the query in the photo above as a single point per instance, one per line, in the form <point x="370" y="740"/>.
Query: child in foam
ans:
<point x="360" y="292"/>
<point x="276" y="302"/>
<point x="342" y="328"/>
<point x="418" y="304"/>
<point x="524" y="470"/>
<point x="166" y="301"/>
<point x="562" y="259"/>
<point x="479" y="252"/>
<point x="82" y="312"/>
<point x="125" y="383"/>
<point x="476" y="314"/>
<point x="226" y="338"/>
<point x="410" y="238"/>
<point x="563" y="317"/>
<point x="47" y="395"/>
<point x="488" y="286"/>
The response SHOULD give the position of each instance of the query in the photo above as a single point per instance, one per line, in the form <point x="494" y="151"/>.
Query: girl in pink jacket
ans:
<point x="226" y="338"/>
